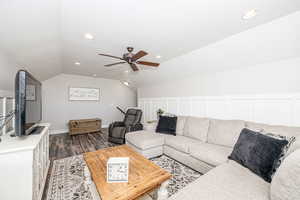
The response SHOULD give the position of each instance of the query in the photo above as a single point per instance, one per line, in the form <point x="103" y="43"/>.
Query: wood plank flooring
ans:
<point x="64" y="145"/>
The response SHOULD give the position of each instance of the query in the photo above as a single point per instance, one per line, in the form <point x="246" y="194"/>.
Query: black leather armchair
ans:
<point x="132" y="122"/>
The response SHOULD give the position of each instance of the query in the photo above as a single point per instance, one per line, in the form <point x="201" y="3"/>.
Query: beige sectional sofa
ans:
<point x="204" y="144"/>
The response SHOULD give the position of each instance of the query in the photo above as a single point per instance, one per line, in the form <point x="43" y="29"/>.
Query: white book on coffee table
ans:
<point x="117" y="169"/>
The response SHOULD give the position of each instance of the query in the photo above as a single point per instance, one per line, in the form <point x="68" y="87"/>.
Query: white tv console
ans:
<point x="24" y="164"/>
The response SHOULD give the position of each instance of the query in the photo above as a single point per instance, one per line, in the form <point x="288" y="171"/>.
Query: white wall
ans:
<point x="8" y="70"/>
<point x="274" y="41"/>
<point x="58" y="110"/>
<point x="253" y="75"/>
<point x="6" y="93"/>
<point x="269" y="78"/>
<point x="280" y="109"/>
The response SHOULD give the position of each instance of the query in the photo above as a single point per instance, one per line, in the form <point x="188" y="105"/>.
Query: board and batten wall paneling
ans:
<point x="281" y="109"/>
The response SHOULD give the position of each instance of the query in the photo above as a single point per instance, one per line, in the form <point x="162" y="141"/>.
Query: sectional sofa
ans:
<point x="204" y="144"/>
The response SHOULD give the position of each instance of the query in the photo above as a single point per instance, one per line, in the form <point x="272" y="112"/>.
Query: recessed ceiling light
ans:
<point x="88" y="36"/>
<point x="94" y="75"/>
<point x="158" y="56"/>
<point x="77" y="63"/>
<point x="250" y="14"/>
<point x="126" y="71"/>
<point x="126" y="83"/>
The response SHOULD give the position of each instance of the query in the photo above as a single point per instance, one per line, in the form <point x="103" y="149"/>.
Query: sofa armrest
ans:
<point x="150" y="126"/>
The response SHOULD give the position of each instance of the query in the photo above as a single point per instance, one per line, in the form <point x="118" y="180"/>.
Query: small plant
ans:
<point x="159" y="112"/>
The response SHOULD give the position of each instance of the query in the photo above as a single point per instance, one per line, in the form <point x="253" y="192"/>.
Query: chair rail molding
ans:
<point x="281" y="109"/>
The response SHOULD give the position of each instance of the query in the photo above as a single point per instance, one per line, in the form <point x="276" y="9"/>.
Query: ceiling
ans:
<point x="47" y="37"/>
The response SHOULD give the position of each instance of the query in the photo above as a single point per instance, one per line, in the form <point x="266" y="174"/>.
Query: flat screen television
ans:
<point x="28" y="103"/>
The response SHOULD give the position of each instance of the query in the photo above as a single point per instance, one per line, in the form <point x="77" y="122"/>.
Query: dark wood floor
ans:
<point x="64" y="145"/>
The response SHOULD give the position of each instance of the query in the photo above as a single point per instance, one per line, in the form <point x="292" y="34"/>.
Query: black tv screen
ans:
<point x="28" y="103"/>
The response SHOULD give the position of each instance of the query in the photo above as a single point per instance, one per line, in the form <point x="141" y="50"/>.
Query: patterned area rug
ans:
<point x="70" y="178"/>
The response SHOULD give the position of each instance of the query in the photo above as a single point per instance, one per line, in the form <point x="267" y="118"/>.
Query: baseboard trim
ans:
<point x="60" y="131"/>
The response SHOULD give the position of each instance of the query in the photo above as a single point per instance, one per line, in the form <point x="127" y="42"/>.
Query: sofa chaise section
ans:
<point x="147" y="143"/>
<point x="229" y="181"/>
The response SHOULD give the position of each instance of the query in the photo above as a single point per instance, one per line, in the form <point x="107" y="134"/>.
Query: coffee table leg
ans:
<point x="162" y="192"/>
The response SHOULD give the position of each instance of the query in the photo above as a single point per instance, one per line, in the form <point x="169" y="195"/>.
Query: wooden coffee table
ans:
<point x="144" y="175"/>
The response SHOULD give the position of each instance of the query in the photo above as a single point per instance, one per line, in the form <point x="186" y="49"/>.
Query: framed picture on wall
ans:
<point x="84" y="94"/>
<point x="30" y="93"/>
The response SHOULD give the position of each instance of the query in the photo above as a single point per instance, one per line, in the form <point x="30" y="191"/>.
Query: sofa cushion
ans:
<point x="286" y="181"/>
<point x="224" y="132"/>
<point x="180" y="125"/>
<point x="180" y="143"/>
<point x="279" y="130"/>
<point x="275" y="129"/>
<point x="197" y="128"/>
<point x="144" y="139"/>
<point x="228" y="181"/>
<point x="210" y="153"/>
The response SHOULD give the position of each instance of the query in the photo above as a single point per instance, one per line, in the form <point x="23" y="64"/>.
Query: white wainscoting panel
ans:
<point x="281" y="109"/>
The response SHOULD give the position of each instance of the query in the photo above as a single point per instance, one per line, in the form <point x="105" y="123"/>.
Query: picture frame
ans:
<point x="30" y="93"/>
<point x="84" y="94"/>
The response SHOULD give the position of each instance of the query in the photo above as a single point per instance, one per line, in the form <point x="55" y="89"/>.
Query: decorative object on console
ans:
<point x="167" y="125"/>
<point x="258" y="152"/>
<point x="84" y="94"/>
<point x="4" y="120"/>
<point x="82" y="126"/>
<point x="117" y="169"/>
<point x="131" y="122"/>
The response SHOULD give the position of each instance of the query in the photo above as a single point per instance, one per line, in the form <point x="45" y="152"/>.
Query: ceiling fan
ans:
<point x="131" y="59"/>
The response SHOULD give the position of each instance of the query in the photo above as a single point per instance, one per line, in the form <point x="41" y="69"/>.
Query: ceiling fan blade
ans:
<point x="148" y="63"/>
<point x="100" y="54"/>
<point x="114" y="64"/>
<point x="134" y="67"/>
<point x="138" y="55"/>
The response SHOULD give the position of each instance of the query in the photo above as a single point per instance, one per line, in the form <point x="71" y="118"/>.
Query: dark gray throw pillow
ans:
<point x="167" y="125"/>
<point x="258" y="152"/>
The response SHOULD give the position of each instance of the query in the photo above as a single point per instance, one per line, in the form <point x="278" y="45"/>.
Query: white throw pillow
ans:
<point x="285" y="184"/>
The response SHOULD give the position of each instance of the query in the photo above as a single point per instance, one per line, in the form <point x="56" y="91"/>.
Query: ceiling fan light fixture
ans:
<point x="250" y="14"/>
<point x="88" y="36"/>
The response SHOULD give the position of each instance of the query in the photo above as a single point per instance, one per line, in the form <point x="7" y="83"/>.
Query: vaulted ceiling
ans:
<point x="47" y="36"/>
